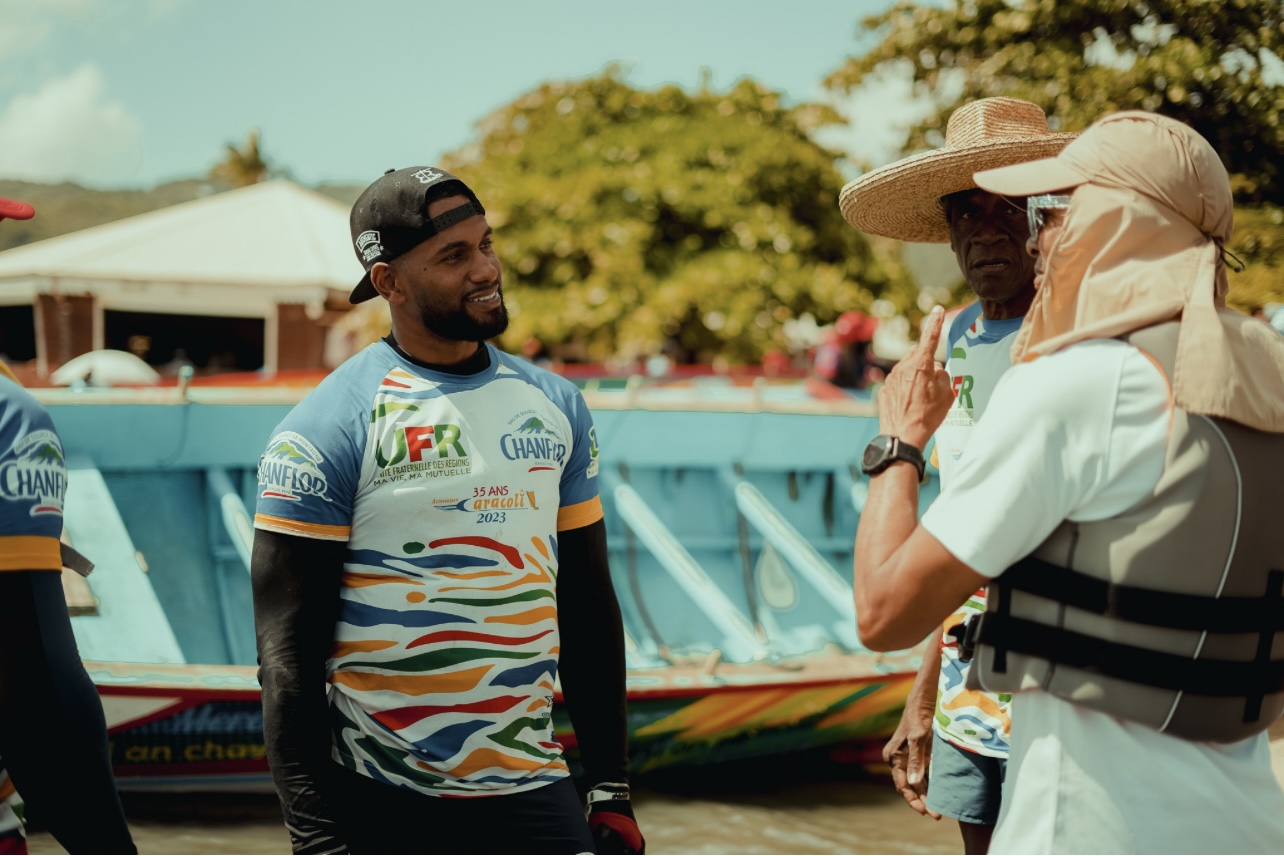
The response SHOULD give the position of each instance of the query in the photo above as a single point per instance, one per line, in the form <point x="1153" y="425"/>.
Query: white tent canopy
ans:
<point x="261" y="252"/>
<point x="270" y="235"/>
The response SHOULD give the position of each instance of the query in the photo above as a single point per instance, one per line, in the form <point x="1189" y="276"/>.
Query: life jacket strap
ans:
<point x="1262" y="614"/>
<point x="1252" y="680"/>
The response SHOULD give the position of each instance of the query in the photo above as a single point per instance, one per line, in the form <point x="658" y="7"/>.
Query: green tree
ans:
<point x="1205" y="62"/>
<point x="630" y="220"/>
<point x="241" y="167"/>
<point x="1214" y="64"/>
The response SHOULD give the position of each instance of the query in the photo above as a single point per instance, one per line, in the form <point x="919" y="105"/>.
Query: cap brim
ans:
<point x="364" y="291"/>
<point x="15" y="210"/>
<point x="903" y="199"/>
<point x="1030" y="178"/>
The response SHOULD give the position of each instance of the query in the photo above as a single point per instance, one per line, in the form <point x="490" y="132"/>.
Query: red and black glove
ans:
<point x="611" y="821"/>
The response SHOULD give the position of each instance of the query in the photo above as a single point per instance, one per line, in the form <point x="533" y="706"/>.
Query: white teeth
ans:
<point x="485" y="298"/>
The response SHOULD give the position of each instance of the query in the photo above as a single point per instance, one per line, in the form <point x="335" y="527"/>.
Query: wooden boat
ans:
<point x="731" y="509"/>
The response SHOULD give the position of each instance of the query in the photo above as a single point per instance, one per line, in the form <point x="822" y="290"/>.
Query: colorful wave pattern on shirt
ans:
<point x="12" y="838"/>
<point x="970" y="719"/>
<point x="443" y="667"/>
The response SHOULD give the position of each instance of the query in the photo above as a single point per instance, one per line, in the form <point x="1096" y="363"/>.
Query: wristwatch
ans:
<point x="607" y="792"/>
<point x="884" y="450"/>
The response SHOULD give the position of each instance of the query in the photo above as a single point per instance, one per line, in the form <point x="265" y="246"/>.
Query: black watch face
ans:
<point x="876" y="452"/>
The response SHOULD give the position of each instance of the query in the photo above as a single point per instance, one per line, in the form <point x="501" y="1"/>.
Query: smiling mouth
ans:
<point x="991" y="264"/>
<point x="486" y="297"/>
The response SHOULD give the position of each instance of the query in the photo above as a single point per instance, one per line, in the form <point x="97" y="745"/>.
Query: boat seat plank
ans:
<point x="130" y="625"/>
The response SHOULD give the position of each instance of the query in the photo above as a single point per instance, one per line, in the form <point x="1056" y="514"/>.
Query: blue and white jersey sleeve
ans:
<point x="33" y="482"/>
<point x="309" y="473"/>
<point x="580" y="504"/>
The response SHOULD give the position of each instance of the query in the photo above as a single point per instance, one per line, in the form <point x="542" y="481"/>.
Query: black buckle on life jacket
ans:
<point x="966" y="634"/>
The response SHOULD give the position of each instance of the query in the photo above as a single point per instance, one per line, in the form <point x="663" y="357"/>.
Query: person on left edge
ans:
<point x="53" y="736"/>
<point x="430" y="544"/>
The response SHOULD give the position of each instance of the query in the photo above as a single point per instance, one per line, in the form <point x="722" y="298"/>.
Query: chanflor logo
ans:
<point x="36" y="474"/>
<point x="291" y="469"/>
<point x="536" y="443"/>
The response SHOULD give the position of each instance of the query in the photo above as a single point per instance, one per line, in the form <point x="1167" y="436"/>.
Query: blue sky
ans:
<point x="134" y="92"/>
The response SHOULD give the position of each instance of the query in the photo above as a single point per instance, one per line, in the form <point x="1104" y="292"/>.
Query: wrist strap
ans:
<point x="607" y="791"/>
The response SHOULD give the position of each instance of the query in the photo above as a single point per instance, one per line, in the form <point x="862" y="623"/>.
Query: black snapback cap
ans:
<point x="390" y="217"/>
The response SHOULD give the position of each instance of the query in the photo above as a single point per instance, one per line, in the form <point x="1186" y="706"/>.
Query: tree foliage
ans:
<point x="1200" y="61"/>
<point x="631" y="220"/>
<point x="241" y="167"/>
<point x="1214" y="64"/>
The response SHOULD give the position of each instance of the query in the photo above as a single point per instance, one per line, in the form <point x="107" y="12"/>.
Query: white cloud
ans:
<point x="66" y="130"/>
<point x="27" y="25"/>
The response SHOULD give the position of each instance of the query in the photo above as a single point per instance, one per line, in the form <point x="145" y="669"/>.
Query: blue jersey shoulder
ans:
<point x="33" y="474"/>
<point x="963" y="322"/>
<point x="19" y="406"/>
<point x="312" y="463"/>
<point x="346" y="394"/>
<point x="562" y="392"/>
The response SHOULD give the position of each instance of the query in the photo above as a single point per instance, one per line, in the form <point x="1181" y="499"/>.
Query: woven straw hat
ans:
<point x="903" y="199"/>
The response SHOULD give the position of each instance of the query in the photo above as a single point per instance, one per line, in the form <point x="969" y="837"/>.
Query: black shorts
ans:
<point x="380" y="818"/>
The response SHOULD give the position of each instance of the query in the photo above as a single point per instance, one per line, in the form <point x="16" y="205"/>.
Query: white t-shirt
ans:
<point x="1081" y="435"/>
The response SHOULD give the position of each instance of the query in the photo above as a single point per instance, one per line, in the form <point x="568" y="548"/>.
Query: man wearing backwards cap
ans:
<point x="1121" y="499"/>
<point x="932" y="197"/>
<point x="53" y="737"/>
<point x="430" y="544"/>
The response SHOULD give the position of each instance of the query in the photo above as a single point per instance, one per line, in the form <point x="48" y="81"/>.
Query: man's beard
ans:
<point x="454" y="322"/>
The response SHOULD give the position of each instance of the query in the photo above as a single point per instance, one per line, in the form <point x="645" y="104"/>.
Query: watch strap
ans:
<point x="899" y="451"/>
<point x="607" y="791"/>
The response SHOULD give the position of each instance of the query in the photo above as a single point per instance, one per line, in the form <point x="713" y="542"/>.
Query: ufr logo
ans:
<point x="291" y="469"/>
<point x="416" y="443"/>
<point x="36" y="475"/>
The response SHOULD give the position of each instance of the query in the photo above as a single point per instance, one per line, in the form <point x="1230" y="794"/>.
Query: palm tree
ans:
<point x="244" y="166"/>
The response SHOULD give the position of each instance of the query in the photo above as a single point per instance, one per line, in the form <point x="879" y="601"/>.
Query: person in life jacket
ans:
<point x="950" y="734"/>
<point x="53" y="735"/>
<point x="1118" y="499"/>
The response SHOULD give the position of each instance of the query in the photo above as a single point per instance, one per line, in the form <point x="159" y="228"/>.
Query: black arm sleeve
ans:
<point x="296" y="602"/>
<point x="592" y="659"/>
<point x="53" y="736"/>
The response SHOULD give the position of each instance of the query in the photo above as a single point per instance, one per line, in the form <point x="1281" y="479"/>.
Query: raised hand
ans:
<point x="917" y="394"/>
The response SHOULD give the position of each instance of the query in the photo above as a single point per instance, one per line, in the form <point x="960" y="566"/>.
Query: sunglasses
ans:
<point x="1035" y="206"/>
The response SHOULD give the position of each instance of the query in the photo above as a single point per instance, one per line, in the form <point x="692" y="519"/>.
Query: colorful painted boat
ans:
<point x="731" y="508"/>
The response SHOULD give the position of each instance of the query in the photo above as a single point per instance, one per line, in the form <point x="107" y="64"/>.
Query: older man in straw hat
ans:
<point x="1121" y="499"/>
<point x="932" y="197"/>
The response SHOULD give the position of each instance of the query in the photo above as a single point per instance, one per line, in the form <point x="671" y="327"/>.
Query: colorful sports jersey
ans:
<point x="12" y="836"/>
<point x="980" y="351"/>
<point x="33" y="480"/>
<point x="450" y="491"/>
